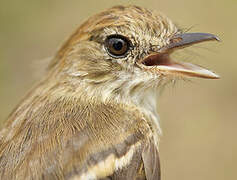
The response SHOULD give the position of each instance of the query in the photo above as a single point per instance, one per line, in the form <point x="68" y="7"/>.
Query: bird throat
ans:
<point x="137" y="91"/>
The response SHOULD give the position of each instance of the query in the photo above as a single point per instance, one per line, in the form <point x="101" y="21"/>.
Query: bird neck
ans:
<point x="139" y="91"/>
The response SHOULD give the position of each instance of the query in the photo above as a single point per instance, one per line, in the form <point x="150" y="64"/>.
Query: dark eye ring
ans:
<point x="117" y="45"/>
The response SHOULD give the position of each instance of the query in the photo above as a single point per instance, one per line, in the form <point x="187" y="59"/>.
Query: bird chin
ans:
<point x="161" y="63"/>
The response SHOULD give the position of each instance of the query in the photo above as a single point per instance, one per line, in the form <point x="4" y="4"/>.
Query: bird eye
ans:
<point x="117" y="45"/>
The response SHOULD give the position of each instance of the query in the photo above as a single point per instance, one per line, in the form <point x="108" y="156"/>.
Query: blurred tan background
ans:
<point x="199" y="119"/>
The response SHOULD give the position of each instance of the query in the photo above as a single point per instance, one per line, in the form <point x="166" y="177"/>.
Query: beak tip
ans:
<point x="218" y="77"/>
<point x="215" y="76"/>
<point x="217" y="38"/>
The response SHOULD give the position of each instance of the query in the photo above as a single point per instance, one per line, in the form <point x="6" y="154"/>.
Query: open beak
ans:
<point x="162" y="62"/>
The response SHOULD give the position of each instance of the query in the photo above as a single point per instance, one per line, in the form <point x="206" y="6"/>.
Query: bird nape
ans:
<point x="93" y="115"/>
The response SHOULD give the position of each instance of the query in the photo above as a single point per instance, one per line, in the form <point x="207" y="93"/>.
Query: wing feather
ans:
<point x="150" y="157"/>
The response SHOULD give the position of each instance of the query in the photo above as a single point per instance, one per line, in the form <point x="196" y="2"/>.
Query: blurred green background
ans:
<point x="199" y="119"/>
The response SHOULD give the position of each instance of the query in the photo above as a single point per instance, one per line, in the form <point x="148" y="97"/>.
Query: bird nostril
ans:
<point x="175" y="40"/>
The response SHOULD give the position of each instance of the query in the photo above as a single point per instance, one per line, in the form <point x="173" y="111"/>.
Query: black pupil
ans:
<point x="118" y="44"/>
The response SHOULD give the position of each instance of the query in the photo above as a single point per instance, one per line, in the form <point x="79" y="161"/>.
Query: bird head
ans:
<point x="126" y="50"/>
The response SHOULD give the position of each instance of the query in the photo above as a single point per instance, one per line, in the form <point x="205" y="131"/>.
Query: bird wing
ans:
<point x="143" y="165"/>
<point x="150" y="157"/>
<point x="63" y="139"/>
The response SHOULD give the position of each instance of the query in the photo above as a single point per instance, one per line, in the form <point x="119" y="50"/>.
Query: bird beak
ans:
<point x="162" y="62"/>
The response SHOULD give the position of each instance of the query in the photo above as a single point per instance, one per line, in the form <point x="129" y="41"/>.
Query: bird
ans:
<point x="93" y="115"/>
